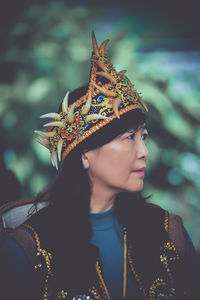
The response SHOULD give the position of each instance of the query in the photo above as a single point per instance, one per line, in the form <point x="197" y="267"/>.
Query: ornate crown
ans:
<point x="109" y="95"/>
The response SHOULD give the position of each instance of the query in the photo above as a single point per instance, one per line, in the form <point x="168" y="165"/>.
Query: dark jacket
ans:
<point x="158" y="255"/>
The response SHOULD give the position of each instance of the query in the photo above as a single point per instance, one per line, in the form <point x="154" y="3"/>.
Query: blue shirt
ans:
<point x="108" y="237"/>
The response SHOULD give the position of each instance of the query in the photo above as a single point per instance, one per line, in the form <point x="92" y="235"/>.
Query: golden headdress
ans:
<point x="109" y="95"/>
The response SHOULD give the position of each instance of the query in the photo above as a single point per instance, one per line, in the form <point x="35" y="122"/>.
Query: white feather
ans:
<point x="59" y="148"/>
<point x="45" y="134"/>
<point x="93" y="117"/>
<point x="55" y="161"/>
<point x="65" y="102"/>
<point x="70" y="114"/>
<point x="42" y="142"/>
<point x="89" y="100"/>
<point x="52" y="160"/>
<point x="56" y="123"/>
<point x="87" y="105"/>
<point x="51" y="115"/>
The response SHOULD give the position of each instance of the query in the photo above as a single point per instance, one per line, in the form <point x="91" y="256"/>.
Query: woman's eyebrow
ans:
<point x="143" y="127"/>
<point x="131" y="131"/>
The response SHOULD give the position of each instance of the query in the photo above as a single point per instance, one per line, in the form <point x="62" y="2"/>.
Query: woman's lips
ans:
<point x="140" y="171"/>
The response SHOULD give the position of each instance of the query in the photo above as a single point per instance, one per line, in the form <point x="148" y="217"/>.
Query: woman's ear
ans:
<point x="85" y="161"/>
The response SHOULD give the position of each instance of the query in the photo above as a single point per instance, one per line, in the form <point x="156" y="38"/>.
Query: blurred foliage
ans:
<point x="47" y="52"/>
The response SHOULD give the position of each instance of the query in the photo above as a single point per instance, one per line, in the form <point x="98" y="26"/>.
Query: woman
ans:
<point x="98" y="239"/>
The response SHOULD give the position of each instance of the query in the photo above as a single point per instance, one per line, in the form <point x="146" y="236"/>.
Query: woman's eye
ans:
<point x="144" y="136"/>
<point x="131" y="137"/>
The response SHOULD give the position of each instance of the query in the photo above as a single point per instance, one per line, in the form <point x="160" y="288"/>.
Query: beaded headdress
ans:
<point x="110" y="94"/>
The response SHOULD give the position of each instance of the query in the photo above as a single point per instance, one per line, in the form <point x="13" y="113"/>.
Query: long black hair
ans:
<point x="66" y="231"/>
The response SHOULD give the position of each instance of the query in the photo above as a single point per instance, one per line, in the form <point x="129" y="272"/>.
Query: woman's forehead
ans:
<point x="140" y="127"/>
<point x="133" y="130"/>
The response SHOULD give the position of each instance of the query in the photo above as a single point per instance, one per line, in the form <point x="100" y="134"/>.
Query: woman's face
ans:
<point x="120" y="164"/>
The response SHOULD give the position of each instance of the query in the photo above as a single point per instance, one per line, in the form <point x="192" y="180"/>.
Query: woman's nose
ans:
<point x="142" y="151"/>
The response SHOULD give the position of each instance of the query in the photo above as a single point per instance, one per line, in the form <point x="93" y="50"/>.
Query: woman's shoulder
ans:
<point x="12" y="254"/>
<point x="178" y="234"/>
<point x="18" y="245"/>
<point x="170" y="221"/>
<point x="18" y="278"/>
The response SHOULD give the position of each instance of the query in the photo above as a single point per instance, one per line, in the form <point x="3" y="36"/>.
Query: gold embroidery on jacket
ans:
<point x="161" y="286"/>
<point x="62" y="295"/>
<point x="47" y="258"/>
<point x="168" y="257"/>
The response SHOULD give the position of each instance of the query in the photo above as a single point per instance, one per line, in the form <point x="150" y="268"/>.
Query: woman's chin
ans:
<point x="139" y="187"/>
<point x="134" y="188"/>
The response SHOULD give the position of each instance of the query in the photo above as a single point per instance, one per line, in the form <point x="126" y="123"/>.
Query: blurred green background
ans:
<point x="45" y="51"/>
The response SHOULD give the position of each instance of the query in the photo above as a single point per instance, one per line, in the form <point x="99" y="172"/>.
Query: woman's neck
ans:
<point x="101" y="199"/>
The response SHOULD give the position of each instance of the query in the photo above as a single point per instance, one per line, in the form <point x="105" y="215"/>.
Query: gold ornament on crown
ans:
<point x="109" y="95"/>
